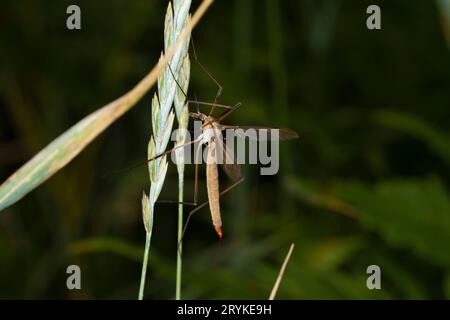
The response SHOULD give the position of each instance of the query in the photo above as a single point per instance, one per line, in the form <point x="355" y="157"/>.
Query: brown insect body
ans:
<point x="211" y="136"/>
<point x="211" y="132"/>
<point x="212" y="185"/>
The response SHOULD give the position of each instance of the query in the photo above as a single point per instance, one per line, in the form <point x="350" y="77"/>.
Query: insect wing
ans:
<point x="229" y="164"/>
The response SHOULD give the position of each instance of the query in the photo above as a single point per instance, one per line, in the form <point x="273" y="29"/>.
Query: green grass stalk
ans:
<point x="144" y="265"/>
<point x="180" y="235"/>
<point x="163" y="117"/>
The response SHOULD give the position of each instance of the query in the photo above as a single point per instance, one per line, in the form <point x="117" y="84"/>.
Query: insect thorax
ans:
<point x="210" y="131"/>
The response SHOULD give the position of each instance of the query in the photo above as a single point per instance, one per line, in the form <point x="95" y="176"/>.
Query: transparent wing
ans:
<point x="233" y="171"/>
<point x="229" y="164"/>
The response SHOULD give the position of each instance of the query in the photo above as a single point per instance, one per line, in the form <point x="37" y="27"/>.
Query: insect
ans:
<point x="212" y="138"/>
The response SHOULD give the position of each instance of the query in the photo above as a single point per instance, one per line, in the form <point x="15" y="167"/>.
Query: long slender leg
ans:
<point x="136" y="165"/>
<point x="210" y="104"/>
<point x="197" y="105"/>
<point x="197" y="155"/>
<point x="219" y="87"/>
<point x="228" y="112"/>
<point x="219" y="91"/>
<point x="176" y="81"/>
<point x="223" y="115"/>
<point x="204" y="204"/>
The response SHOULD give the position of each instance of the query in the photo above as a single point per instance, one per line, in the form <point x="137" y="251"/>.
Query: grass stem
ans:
<point x="148" y="239"/>
<point x="281" y="274"/>
<point x="180" y="235"/>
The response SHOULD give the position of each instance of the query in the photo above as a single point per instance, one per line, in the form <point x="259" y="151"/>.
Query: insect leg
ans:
<point x="204" y="204"/>
<point x="223" y="115"/>
<point x="136" y="165"/>
<point x="228" y="112"/>
<point x="219" y="87"/>
<point x="219" y="91"/>
<point x="210" y="104"/>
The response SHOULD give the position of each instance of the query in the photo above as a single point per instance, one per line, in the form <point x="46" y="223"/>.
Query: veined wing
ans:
<point x="229" y="164"/>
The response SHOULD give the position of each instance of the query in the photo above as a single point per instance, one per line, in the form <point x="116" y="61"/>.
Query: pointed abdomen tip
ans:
<point x="219" y="232"/>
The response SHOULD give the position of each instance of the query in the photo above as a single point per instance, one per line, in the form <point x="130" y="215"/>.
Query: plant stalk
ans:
<point x="148" y="239"/>
<point x="180" y="235"/>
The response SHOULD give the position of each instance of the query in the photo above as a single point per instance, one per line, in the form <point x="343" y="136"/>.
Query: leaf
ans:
<point x="437" y="140"/>
<point x="320" y="200"/>
<point x="329" y="254"/>
<point x="68" y="145"/>
<point x="413" y="214"/>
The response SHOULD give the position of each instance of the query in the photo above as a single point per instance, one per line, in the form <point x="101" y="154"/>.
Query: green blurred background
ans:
<point x="367" y="183"/>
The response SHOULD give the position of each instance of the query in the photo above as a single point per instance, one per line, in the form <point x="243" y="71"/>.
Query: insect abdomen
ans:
<point x="212" y="183"/>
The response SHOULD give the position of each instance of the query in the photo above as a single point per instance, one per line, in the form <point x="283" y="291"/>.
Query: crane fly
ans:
<point x="211" y="137"/>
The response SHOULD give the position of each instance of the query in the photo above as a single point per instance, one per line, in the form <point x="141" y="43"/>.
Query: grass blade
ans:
<point x="68" y="145"/>
<point x="281" y="273"/>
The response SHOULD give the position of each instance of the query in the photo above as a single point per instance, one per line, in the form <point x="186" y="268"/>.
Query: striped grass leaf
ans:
<point x="68" y="145"/>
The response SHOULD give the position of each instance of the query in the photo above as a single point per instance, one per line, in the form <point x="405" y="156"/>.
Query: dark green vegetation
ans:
<point x="367" y="183"/>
